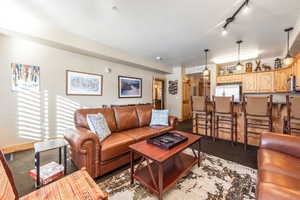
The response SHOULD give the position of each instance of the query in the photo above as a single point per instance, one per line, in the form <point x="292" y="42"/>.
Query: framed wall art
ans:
<point x="83" y="84"/>
<point x="129" y="87"/>
<point x="25" y="77"/>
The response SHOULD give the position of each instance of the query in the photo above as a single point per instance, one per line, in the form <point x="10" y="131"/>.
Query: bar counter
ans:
<point x="279" y="111"/>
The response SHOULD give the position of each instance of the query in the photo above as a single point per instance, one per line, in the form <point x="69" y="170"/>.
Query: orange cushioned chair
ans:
<point x="79" y="186"/>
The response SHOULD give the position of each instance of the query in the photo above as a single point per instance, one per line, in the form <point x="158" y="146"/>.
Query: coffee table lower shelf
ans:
<point x="173" y="169"/>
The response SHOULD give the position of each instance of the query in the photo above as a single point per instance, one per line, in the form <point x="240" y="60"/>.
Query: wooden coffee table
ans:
<point x="163" y="167"/>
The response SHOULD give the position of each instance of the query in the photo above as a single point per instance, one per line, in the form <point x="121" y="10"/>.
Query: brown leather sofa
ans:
<point x="278" y="167"/>
<point x="128" y="125"/>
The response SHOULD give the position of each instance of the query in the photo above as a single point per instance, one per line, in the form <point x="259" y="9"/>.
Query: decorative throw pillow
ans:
<point x="159" y="118"/>
<point x="98" y="125"/>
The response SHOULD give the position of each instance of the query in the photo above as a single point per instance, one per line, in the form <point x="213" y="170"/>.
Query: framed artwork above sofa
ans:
<point x="83" y="84"/>
<point x="129" y="87"/>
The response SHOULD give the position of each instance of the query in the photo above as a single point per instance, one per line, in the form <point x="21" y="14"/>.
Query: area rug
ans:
<point x="215" y="179"/>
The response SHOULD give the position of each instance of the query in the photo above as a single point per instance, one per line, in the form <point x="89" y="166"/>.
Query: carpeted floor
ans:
<point x="215" y="179"/>
<point x="24" y="161"/>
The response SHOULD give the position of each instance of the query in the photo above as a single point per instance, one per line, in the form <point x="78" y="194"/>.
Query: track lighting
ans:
<point x="232" y="18"/>
<point x="224" y="32"/>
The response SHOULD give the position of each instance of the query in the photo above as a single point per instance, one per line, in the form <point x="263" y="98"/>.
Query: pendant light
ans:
<point x="288" y="58"/>
<point x="239" y="66"/>
<point x="206" y="70"/>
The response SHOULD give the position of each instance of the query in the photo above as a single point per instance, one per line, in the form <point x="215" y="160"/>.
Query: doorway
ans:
<point x="193" y="85"/>
<point x="158" y="96"/>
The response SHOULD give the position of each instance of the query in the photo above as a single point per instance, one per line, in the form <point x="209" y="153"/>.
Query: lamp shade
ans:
<point x="206" y="72"/>
<point x="239" y="66"/>
<point x="288" y="60"/>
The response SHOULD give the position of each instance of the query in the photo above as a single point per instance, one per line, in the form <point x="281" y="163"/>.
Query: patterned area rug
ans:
<point x="215" y="179"/>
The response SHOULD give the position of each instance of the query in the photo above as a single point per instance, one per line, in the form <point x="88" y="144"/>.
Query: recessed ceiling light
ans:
<point x="158" y="58"/>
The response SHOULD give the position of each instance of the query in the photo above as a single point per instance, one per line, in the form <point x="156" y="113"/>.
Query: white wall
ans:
<point x="173" y="102"/>
<point x="53" y="63"/>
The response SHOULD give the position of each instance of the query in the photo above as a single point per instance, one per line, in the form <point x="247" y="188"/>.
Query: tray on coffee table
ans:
<point x="167" y="140"/>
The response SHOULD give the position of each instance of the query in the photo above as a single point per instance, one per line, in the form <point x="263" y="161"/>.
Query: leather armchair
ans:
<point x="278" y="167"/>
<point x="281" y="143"/>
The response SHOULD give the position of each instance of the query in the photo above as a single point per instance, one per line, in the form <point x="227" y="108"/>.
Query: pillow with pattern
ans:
<point x="98" y="125"/>
<point x="159" y="118"/>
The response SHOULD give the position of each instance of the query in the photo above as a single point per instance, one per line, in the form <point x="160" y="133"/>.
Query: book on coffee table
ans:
<point x="48" y="172"/>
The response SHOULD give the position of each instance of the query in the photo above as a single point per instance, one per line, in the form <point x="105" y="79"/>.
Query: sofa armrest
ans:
<point x="282" y="143"/>
<point x="173" y="121"/>
<point x="85" y="149"/>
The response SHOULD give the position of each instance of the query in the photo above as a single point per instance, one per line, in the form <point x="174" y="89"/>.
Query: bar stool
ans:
<point x="201" y="113"/>
<point x="257" y="115"/>
<point x="293" y="114"/>
<point x="223" y="113"/>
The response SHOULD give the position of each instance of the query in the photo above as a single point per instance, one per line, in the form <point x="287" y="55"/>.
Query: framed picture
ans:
<point x="83" y="84"/>
<point x="130" y="87"/>
<point x="25" y="77"/>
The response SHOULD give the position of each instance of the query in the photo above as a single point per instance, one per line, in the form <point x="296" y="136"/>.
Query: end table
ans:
<point x="47" y="145"/>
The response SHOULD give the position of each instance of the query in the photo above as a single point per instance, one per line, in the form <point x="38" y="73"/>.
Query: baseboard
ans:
<point x="18" y="147"/>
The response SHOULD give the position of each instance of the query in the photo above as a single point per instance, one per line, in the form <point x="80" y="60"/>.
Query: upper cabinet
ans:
<point x="265" y="82"/>
<point x="296" y="71"/>
<point x="234" y="78"/>
<point x="281" y="79"/>
<point x="249" y="83"/>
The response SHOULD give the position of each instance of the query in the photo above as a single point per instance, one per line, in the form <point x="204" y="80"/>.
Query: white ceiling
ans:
<point x="176" y="30"/>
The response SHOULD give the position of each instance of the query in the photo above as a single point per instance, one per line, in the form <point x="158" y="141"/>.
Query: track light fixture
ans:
<point x="232" y="18"/>
<point x="206" y="70"/>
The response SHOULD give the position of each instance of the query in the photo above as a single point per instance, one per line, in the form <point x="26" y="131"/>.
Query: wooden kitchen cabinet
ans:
<point x="296" y="71"/>
<point x="265" y="82"/>
<point x="249" y="83"/>
<point x="281" y="79"/>
<point x="234" y="78"/>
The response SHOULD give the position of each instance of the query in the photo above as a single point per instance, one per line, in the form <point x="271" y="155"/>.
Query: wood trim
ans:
<point x="18" y="147"/>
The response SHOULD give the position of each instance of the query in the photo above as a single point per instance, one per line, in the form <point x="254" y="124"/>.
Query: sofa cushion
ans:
<point x="126" y="117"/>
<point x="266" y="176"/>
<point x="108" y="113"/>
<point x="144" y="114"/>
<point x="140" y="133"/>
<point x="115" y="145"/>
<point x="279" y="163"/>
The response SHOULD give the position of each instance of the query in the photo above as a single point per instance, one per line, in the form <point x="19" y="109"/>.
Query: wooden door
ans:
<point x="281" y="79"/>
<point x="158" y="94"/>
<point x="249" y="83"/>
<point x="265" y="82"/>
<point x="186" y="97"/>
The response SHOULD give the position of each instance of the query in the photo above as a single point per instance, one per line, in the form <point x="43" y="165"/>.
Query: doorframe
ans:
<point x="163" y="91"/>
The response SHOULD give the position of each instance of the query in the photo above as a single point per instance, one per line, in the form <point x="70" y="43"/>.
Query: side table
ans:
<point x="44" y="146"/>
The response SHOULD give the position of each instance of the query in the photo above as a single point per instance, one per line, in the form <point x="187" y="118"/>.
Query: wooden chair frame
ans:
<point x="203" y="115"/>
<point x="289" y="118"/>
<point x="226" y="118"/>
<point x="263" y="125"/>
